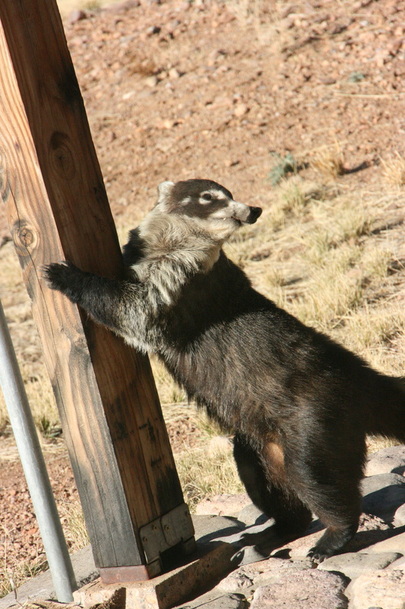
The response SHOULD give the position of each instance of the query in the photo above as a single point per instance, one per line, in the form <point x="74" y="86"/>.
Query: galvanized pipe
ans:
<point x="34" y="467"/>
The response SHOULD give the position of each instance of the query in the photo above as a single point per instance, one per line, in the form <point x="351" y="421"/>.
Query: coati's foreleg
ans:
<point x="108" y="301"/>
<point x="291" y="516"/>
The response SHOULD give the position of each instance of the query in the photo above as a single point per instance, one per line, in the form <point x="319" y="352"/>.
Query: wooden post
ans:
<point x="57" y="207"/>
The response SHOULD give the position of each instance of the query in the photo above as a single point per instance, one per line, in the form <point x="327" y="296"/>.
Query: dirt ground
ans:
<point x="179" y="89"/>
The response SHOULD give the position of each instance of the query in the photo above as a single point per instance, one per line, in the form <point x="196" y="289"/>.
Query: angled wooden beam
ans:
<point x="51" y="183"/>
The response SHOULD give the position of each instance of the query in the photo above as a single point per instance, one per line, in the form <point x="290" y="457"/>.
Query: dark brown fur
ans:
<point x="299" y="404"/>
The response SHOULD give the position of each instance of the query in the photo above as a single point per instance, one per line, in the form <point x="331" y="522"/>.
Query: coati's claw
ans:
<point x="316" y="557"/>
<point x="60" y="276"/>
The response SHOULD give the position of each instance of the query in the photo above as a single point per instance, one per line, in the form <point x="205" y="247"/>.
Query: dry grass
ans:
<point x="261" y="14"/>
<point x="328" y="160"/>
<point x="12" y="578"/>
<point x="169" y="391"/>
<point x="315" y="253"/>
<point x="17" y="308"/>
<point x="393" y="170"/>
<point x="74" y="526"/>
<point x="219" y="474"/>
<point x="376" y="333"/>
<point x="92" y="5"/>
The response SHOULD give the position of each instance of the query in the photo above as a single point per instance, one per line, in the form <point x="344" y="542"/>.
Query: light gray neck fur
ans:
<point x="175" y="248"/>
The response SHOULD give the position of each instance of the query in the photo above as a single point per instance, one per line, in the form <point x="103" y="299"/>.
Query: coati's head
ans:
<point x="193" y="217"/>
<point x="209" y="204"/>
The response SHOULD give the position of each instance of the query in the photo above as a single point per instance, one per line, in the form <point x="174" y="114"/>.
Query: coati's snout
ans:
<point x="253" y="215"/>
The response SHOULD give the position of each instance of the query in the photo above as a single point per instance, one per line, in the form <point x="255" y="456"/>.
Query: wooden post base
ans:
<point x="122" y="575"/>
<point x="167" y="590"/>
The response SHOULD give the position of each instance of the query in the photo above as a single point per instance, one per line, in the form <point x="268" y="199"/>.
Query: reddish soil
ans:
<point x="175" y="90"/>
<point x="20" y="540"/>
<point x="202" y="89"/>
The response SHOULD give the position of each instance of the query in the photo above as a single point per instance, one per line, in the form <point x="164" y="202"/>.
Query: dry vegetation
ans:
<point x="394" y="170"/>
<point x="328" y="249"/>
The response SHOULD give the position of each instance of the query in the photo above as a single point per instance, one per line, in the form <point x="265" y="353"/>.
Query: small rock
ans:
<point x="395" y="543"/>
<point x="174" y="73"/>
<point x="378" y="589"/>
<point x="353" y="564"/>
<point x="381" y="57"/>
<point x="128" y="95"/>
<point x="328" y="80"/>
<point x="221" y="505"/>
<point x="231" y="163"/>
<point x="213" y="600"/>
<point x="308" y="589"/>
<point x="240" y="110"/>
<point x="151" y="81"/>
<point x="387" y="460"/>
<point x="167" y="123"/>
<point x="153" y="29"/>
<point x="251" y="515"/>
<point x="399" y="516"/>
<point x="394" y="46"/>
<point x="214" y="527"/>
<point x="383" y="494"/>
<point x="77" y="15"/>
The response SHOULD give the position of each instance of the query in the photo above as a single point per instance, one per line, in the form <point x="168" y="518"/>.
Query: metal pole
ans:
<point x="33" y="463"/>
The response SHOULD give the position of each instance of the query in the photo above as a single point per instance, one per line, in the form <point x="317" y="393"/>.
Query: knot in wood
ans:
<point x="61" y="155"/>
<point x="25" y="239"/>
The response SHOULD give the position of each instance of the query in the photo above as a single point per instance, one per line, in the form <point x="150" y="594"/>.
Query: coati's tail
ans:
<point x="388" y="410"/>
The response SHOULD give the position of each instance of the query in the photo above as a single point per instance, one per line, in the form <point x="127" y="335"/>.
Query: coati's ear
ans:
<point x="164" y="190"/>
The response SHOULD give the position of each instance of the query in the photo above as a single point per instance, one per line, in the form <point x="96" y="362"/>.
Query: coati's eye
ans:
<point x="207" y="196"/>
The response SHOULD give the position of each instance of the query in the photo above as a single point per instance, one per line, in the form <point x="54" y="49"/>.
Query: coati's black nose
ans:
<point x="254" y="214"/>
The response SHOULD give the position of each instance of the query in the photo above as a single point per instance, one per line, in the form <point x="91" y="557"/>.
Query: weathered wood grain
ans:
<point x="57" y="207"/>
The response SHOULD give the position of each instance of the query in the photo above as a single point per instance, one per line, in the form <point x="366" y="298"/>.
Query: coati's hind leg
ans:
<point x="291" y="516"/>
<point x="289" y="490"/>
<point x="329" y="485"/>
<point x="338" y="508"/>
<point x="333" y="540"/>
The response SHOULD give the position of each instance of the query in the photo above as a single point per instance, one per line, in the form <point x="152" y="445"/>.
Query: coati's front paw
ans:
<point x="59" y="276"/>
<point x="316" y="556"/>
<point x="63" y="277"/>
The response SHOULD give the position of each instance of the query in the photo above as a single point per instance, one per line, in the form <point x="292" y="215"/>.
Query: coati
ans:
<point x="299" y="404"/>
